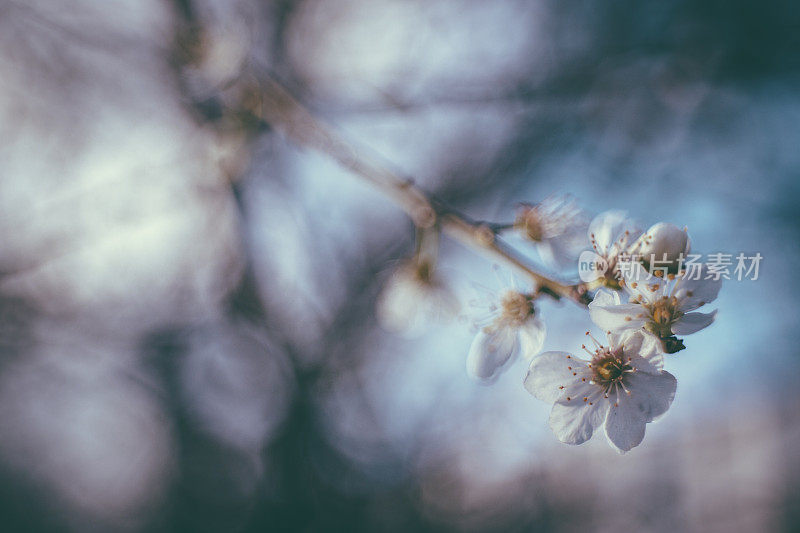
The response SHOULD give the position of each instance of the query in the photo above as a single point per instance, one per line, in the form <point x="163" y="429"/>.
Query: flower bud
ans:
<point x="663" y="245"/>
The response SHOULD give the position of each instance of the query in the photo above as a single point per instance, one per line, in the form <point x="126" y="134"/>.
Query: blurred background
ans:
<point x="187" y="297"/>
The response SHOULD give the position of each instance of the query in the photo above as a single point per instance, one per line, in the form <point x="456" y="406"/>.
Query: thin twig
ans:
<point x="283" y="112"/>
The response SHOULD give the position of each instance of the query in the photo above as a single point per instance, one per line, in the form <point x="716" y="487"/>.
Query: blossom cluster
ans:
<point x="643" y="307"/>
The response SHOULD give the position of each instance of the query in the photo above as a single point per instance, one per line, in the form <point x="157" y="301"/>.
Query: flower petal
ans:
<point x="491" y="349"/>
<point x="650" y="357"/>
<point x="549" y="255"/>
<point x="561" y="251"/>
<point x="531" y="337"/>
<point x="641" y="348"/>
<point x="407" y="304"/>
<point x="639" y="283"/>
<point x="693" y="293"/>
<point x="664" y="242"/>
<point x="398" y="308"/>
<point x="607" y="227"/>
<point x="693" y="322"/>
<point x="551" y="373"/>
<point x="578" y="412"/>
<point x="605" y="297"/>
<point x="629" y="340"/>
<point x="652" y="393"/>
<point x="625" y="423"/>
<point x="617" y="317"/>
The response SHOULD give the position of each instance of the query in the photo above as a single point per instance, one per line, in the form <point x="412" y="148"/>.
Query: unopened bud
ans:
<point x="663" y="245"/>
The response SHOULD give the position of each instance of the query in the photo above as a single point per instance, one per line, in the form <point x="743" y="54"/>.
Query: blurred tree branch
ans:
<point x="257" y="101"/>
<point x="274" y="105"/>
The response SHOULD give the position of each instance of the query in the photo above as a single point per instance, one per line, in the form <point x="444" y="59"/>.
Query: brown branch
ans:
<point x="283" y="112"/>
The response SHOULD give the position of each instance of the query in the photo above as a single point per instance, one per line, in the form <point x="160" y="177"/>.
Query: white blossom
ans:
<point x="557" y="226"/>
<point x="664" y="307"/>
<point x="611" y="234"/>
<point x="413" y="298"/>
<point x="508" y="328"/>
<point x="621" y="387"/>
<point x="663" y="246"/>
